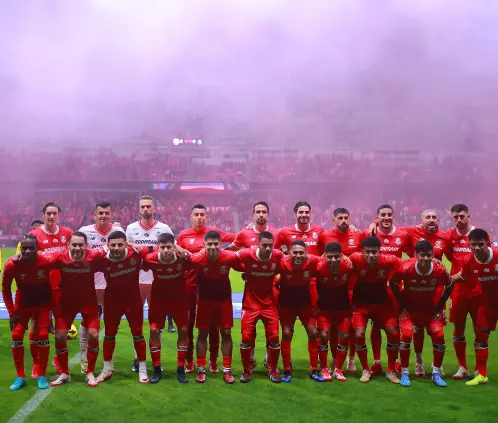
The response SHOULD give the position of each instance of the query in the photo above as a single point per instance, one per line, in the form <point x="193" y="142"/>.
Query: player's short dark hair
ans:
<point x="384" y="206"/>
<point x="37" y="221"/>
<point x="146" y="197"/>
<point x="458" y="208"/>
<point x="166" y="238"/>
<point x="30" y="237"/>
<point x="423" y="246"/>
<point x="199" y="206"/>
<point x="265" y="235"/>
<point x="261" y="203"/>
<point x="103" y="205"/>
<point x="80" y="234"/>
<point x="478" y="234"/>
<point x="333" y="247"/>
<point x="212" y="235"/>
<point x="340" y="210"/>
<point x="371" y="242"/>
<point x="301" y="204"/>
<point x="50" y="204"/>
<point x="116" y="235"/>
<point x="297" y="242"/>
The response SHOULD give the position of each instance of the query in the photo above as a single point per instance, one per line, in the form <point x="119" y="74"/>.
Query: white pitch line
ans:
<point x="35" y="401"/>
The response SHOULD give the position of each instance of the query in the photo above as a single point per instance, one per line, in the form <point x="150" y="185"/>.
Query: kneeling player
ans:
<point x="121" y="267"/>
<point x="420" y="305"/>
<point x="33" y="301"/>
<point x="261" y="266"/>
<point x="168" y="296"/>
<point x="296" y="271"/>
<point x="480" y="270"/>
<point x="371" y="301"/>
<point x="334" y="306"/>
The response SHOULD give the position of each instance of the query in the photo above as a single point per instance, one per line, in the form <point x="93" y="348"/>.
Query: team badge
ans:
<point x="351" y="242"/>
<point x="315" y="235"/>
<point x="437" y="244"/>
<point x="63" y="238"/>
<point x="192" y="240"/>
<point x="306" y="274"/>
<point x="133" y="262"/>
<point x="397" y="241"/>
<point x="274" y="266"/>
<point x="224" y="269"/>
<point x="381" y="273"/>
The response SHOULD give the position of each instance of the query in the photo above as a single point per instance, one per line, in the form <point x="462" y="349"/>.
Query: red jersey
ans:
<point x="333" y="292"/>
<point x="440" y="240"/>
<point x="52" y="244"/>
<point x="350" y="241"/>
<point x="395" y="243"/>
<point x="420" y="292"/>
<point x="371" y="284"/>
<point x="33" y="284"/>
<point x="169" y="279"/>
<point x="295" y="282"/>
<point x="213" y="277"/>
<point x="482" y="277"/>
<point x="260" y="275"/>
<point x="248" y="237"/>
<point x="459" y="249"/>
<point x="77" y="282"/>
<point x="192" y="240"/>
<point x="310" y="237"/>
<point x="121" y="276"/>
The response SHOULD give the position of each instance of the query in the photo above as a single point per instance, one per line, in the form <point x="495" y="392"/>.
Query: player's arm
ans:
<point x="7" y="279"/>
<point x="280" y="242"/>
<point x="395" y="284"/>
<point x="448" y="289"/>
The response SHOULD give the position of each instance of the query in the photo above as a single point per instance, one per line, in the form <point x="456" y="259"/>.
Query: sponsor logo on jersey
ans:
<point x="423" y="282"/>
<point x="265" y="267"/>
<point x="386" y="241"/>
<point x="262" y="274"/>
<point x="55" y="241"/>
<point x="461" y="250"/>
<point x="103" y="240"/>
<point x="255" y="266"/>
<point x="462" y="241"/>
<point x="123" y="272"/>
<point x="486" y="270"/>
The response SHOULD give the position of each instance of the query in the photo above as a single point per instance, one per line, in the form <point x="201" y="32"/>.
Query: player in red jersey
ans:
<point x="121" y="269"/>
<point x="463" y="301"/>
<point x="261" y="266"/>
<point x="168" y="296"/>
<point x="479" y="272"/>
<point x="394" y="241"/>
<point x="350" y="240"/>
<point x="248" y="238"/>
<point x="192" y="240"/>
<point x="371" y="301"/>
<point x="420" y="303"/>
<point x="77" y="289"/>
<point x="33" y="302"/>
<point x="214" y="305"/>
<point x="334" y="304"/>
<point x="296" y="271"/>
<point x="52" y="238"/>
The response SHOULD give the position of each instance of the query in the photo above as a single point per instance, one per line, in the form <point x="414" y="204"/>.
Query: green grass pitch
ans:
<point x="123" y="399"/>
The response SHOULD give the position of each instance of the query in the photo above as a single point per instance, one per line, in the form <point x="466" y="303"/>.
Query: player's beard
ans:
<point x="343" y="227"/>
<point x="118" y="255"/>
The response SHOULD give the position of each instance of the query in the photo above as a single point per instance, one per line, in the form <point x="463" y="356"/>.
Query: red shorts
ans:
<point x="269" y="317"/>
<point x="178" y="310"/>
<point x="463" y="303"/>
<point x="337" y="319"/>
<point x="288" y="315"/>
<point x="214" y="313"/>
<point x="487" y="318"/>
<point x="41" y="317"/>
<point x="313" y="294"/>
<point x="56" y="299"/>
<point x="393" y="303"/>
<point x="382" y="315"/>
<point x="116" y="308"/>
<point x="65" y="317"/>
<point x="420" y="321"/>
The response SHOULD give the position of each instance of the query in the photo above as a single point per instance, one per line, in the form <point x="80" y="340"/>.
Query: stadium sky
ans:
<point x="383" y="72"/>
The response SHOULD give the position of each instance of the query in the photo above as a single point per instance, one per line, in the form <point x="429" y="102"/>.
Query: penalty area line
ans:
<point x="34" y="402"/>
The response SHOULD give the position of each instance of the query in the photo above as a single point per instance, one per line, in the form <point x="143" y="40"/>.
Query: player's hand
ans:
<point x="436" y="261"/>
<point x="13" y="322"/>
<point x="403" y="314"/>
<point x="372" y="229"/>
<point x="135" y="247"/>
<point x="17" y="257"/>
<point x="353" y="228"/>
<point x="347" y="260"/>
<point x="202" y="251"/>
<point x="443" y="315"/>
<point x="181" y="251"/>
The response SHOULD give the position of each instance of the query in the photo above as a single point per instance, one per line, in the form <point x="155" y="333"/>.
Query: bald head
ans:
<point x="430" y="221"/>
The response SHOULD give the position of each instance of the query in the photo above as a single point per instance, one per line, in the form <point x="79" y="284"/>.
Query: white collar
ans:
<point x="467" y="234"/>
<point x="44" y="229"/>
<point x="259" y="259"/>
<point x="307" y="230"/>
<point x="420" y="273"/>
<point x="489" y="259"/>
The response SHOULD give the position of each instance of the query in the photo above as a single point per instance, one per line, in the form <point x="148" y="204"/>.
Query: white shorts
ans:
<point x="100" y="282"/>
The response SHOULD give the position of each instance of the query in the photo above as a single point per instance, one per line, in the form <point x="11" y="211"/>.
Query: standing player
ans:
<point x="420" y="303"/>
<point x="463" y="301"/>
<point x="77" y="289"/>
<point x="334" y="304"/>
<point x="33" y="302"/>
<point x="350" y="241"/>
<point x="34" y="224"/>
<point x="144" y="233"/>
<point x="261" y="266"/>
<point x="192" y="240"/>
<point x="52" y="239"/>
<point x="97" y="235"/>
<point x="214" y="306"/>
<point x="479" y="272"/>
<point x="296" y="271"/>
<point x="371" y="301"/>
<point x="168" y="295"/>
